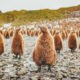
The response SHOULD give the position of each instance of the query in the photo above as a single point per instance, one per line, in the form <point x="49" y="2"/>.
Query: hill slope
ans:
<point x="24" y="16"/>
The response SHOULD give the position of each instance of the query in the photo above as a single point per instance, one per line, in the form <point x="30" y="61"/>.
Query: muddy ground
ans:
<point x="67" y="65"/>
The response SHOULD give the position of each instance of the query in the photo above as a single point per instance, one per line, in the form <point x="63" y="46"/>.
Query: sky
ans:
<point x="9" y="5"/>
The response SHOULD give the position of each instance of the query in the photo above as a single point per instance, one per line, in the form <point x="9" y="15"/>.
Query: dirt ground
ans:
<point x="67" y="65"/>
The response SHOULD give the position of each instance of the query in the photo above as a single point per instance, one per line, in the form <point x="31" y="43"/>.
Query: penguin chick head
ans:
<point x="44" y="29"/>
<point x="17" y="30"/>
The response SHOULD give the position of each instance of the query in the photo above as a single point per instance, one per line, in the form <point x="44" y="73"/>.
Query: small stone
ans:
<point x="64" y="75"/>
<point x="59" y="75"/>
<point x="33" y="78"/>
<point x="22" y="71"/>
<point x="1" y="74"/>
<point x="4" y="78"/>
<point x="1" y="64"/>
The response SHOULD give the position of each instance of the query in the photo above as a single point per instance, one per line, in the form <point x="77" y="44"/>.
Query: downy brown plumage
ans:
<point x="44" y="52"/>
<point x="18" y="44"/>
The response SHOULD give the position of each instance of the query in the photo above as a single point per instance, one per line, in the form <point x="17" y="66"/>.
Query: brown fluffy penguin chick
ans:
<point x="73" y="41"/>
<point x="23" y="31"/>
<point x="17" y="44"/>
<point x="52" y="31"/>
<point x="63" y="35"/>
<point x="44" y="52"/>
<point x="36" y="32"/>
<point x="6" y="34"/>
<point x="32" y="33"/>
<point x="11" y="33"/>
<point x="66" y="34"/>
<point x="1" y="31"/>
<point x="1" y="44"/>
<point x="58" y="42"/>
<point x="29" y="32"/>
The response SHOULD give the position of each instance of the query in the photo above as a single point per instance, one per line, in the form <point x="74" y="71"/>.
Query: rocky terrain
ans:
<point x="67" y="65"/>
<point x="75" y="14"/>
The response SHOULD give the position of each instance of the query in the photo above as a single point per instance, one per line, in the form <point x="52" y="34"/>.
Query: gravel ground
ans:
<point x="67" y="65"/>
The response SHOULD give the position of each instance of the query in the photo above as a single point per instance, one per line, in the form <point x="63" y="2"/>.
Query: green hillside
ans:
<point x="24" y="16"/>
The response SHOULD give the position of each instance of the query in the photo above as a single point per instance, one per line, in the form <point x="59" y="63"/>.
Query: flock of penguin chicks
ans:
<point x="48" y="43"/>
